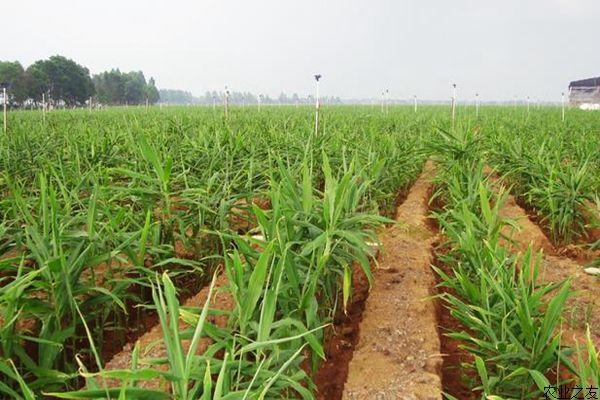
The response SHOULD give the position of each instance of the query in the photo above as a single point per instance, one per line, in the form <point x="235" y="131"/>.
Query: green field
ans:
<point x="109" y="219"/>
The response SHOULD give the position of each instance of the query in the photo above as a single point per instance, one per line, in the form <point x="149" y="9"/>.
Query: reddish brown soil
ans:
<point x="456" y="381"/>
<point x="151" y="345"/>
<point x="398" y="351"/>
<point x="342" y="338"/>
<point x="340" y="342"/>
<point x="583" y="307"/>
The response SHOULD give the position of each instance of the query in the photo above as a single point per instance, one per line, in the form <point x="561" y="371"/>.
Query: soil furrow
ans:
<point x="398" y="351"/>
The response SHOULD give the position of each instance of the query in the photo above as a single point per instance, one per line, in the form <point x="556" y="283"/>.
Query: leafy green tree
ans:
<point x="135" y="88"/>
<point x="12" y="75"/>
<point x="110" y="87"/>
<point x="152" y="92"/>
<point x="63" y="79"/>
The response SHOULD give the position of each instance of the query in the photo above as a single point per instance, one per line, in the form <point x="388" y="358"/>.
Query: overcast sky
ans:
<point x="499" y="48"/>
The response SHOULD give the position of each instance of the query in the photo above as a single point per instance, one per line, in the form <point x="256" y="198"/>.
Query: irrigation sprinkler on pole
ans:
<point x="259" y="101"/>
<point x="477" y="105"/>
<point x="528" y="105"/>
<point x="317" y="77"/>
<point x="415" y="99"/>
<point x="453" y="103"/>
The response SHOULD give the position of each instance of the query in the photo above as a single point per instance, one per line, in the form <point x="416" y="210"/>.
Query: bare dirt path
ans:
<point x="398" y="351"/>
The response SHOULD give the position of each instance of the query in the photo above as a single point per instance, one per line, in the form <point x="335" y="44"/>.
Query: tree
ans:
<point x="12" y="76"/>
<point x="152" y="92"/>
<point x="110" y="87"/>
<point x="135" y="88"/>
<point x="62" y="78"/>
<point x="283" y="99"/>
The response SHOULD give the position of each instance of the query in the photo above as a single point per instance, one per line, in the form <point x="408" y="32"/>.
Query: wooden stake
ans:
<point x="453" y="103"/>
<point x="387" y="101"/>
<point x="317" y="77"/>
<point x="44" y="107"/>
<point x="5" y="113"/>
<point x="563" y="106"/>
<point x="226" y="102"/>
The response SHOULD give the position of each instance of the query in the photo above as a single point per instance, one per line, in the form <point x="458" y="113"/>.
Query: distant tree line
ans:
<point x="63" y="82"/>
<point x="171" y="96"/>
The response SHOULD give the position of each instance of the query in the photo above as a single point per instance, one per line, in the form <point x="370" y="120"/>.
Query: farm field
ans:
<point x="177" y="253"/>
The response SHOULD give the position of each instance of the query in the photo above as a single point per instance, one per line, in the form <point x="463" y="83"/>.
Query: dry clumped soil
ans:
<point x="398" y="351"/>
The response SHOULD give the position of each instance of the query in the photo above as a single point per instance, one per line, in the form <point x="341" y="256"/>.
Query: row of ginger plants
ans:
<point x="510" y="321"/>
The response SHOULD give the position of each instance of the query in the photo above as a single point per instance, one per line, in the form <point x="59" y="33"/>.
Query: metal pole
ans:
<point x="477" y="105"/>
<point x="415" y="97"/>
<point x="527" y="105"/>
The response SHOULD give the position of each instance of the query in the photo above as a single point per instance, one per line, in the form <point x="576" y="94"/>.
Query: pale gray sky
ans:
<point x="500" y="48"/>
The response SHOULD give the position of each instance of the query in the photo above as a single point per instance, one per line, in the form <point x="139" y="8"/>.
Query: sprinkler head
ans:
<point x="317" y="77"/>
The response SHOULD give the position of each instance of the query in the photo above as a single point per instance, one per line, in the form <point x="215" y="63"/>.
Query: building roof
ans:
<point x="591" y="82"/>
